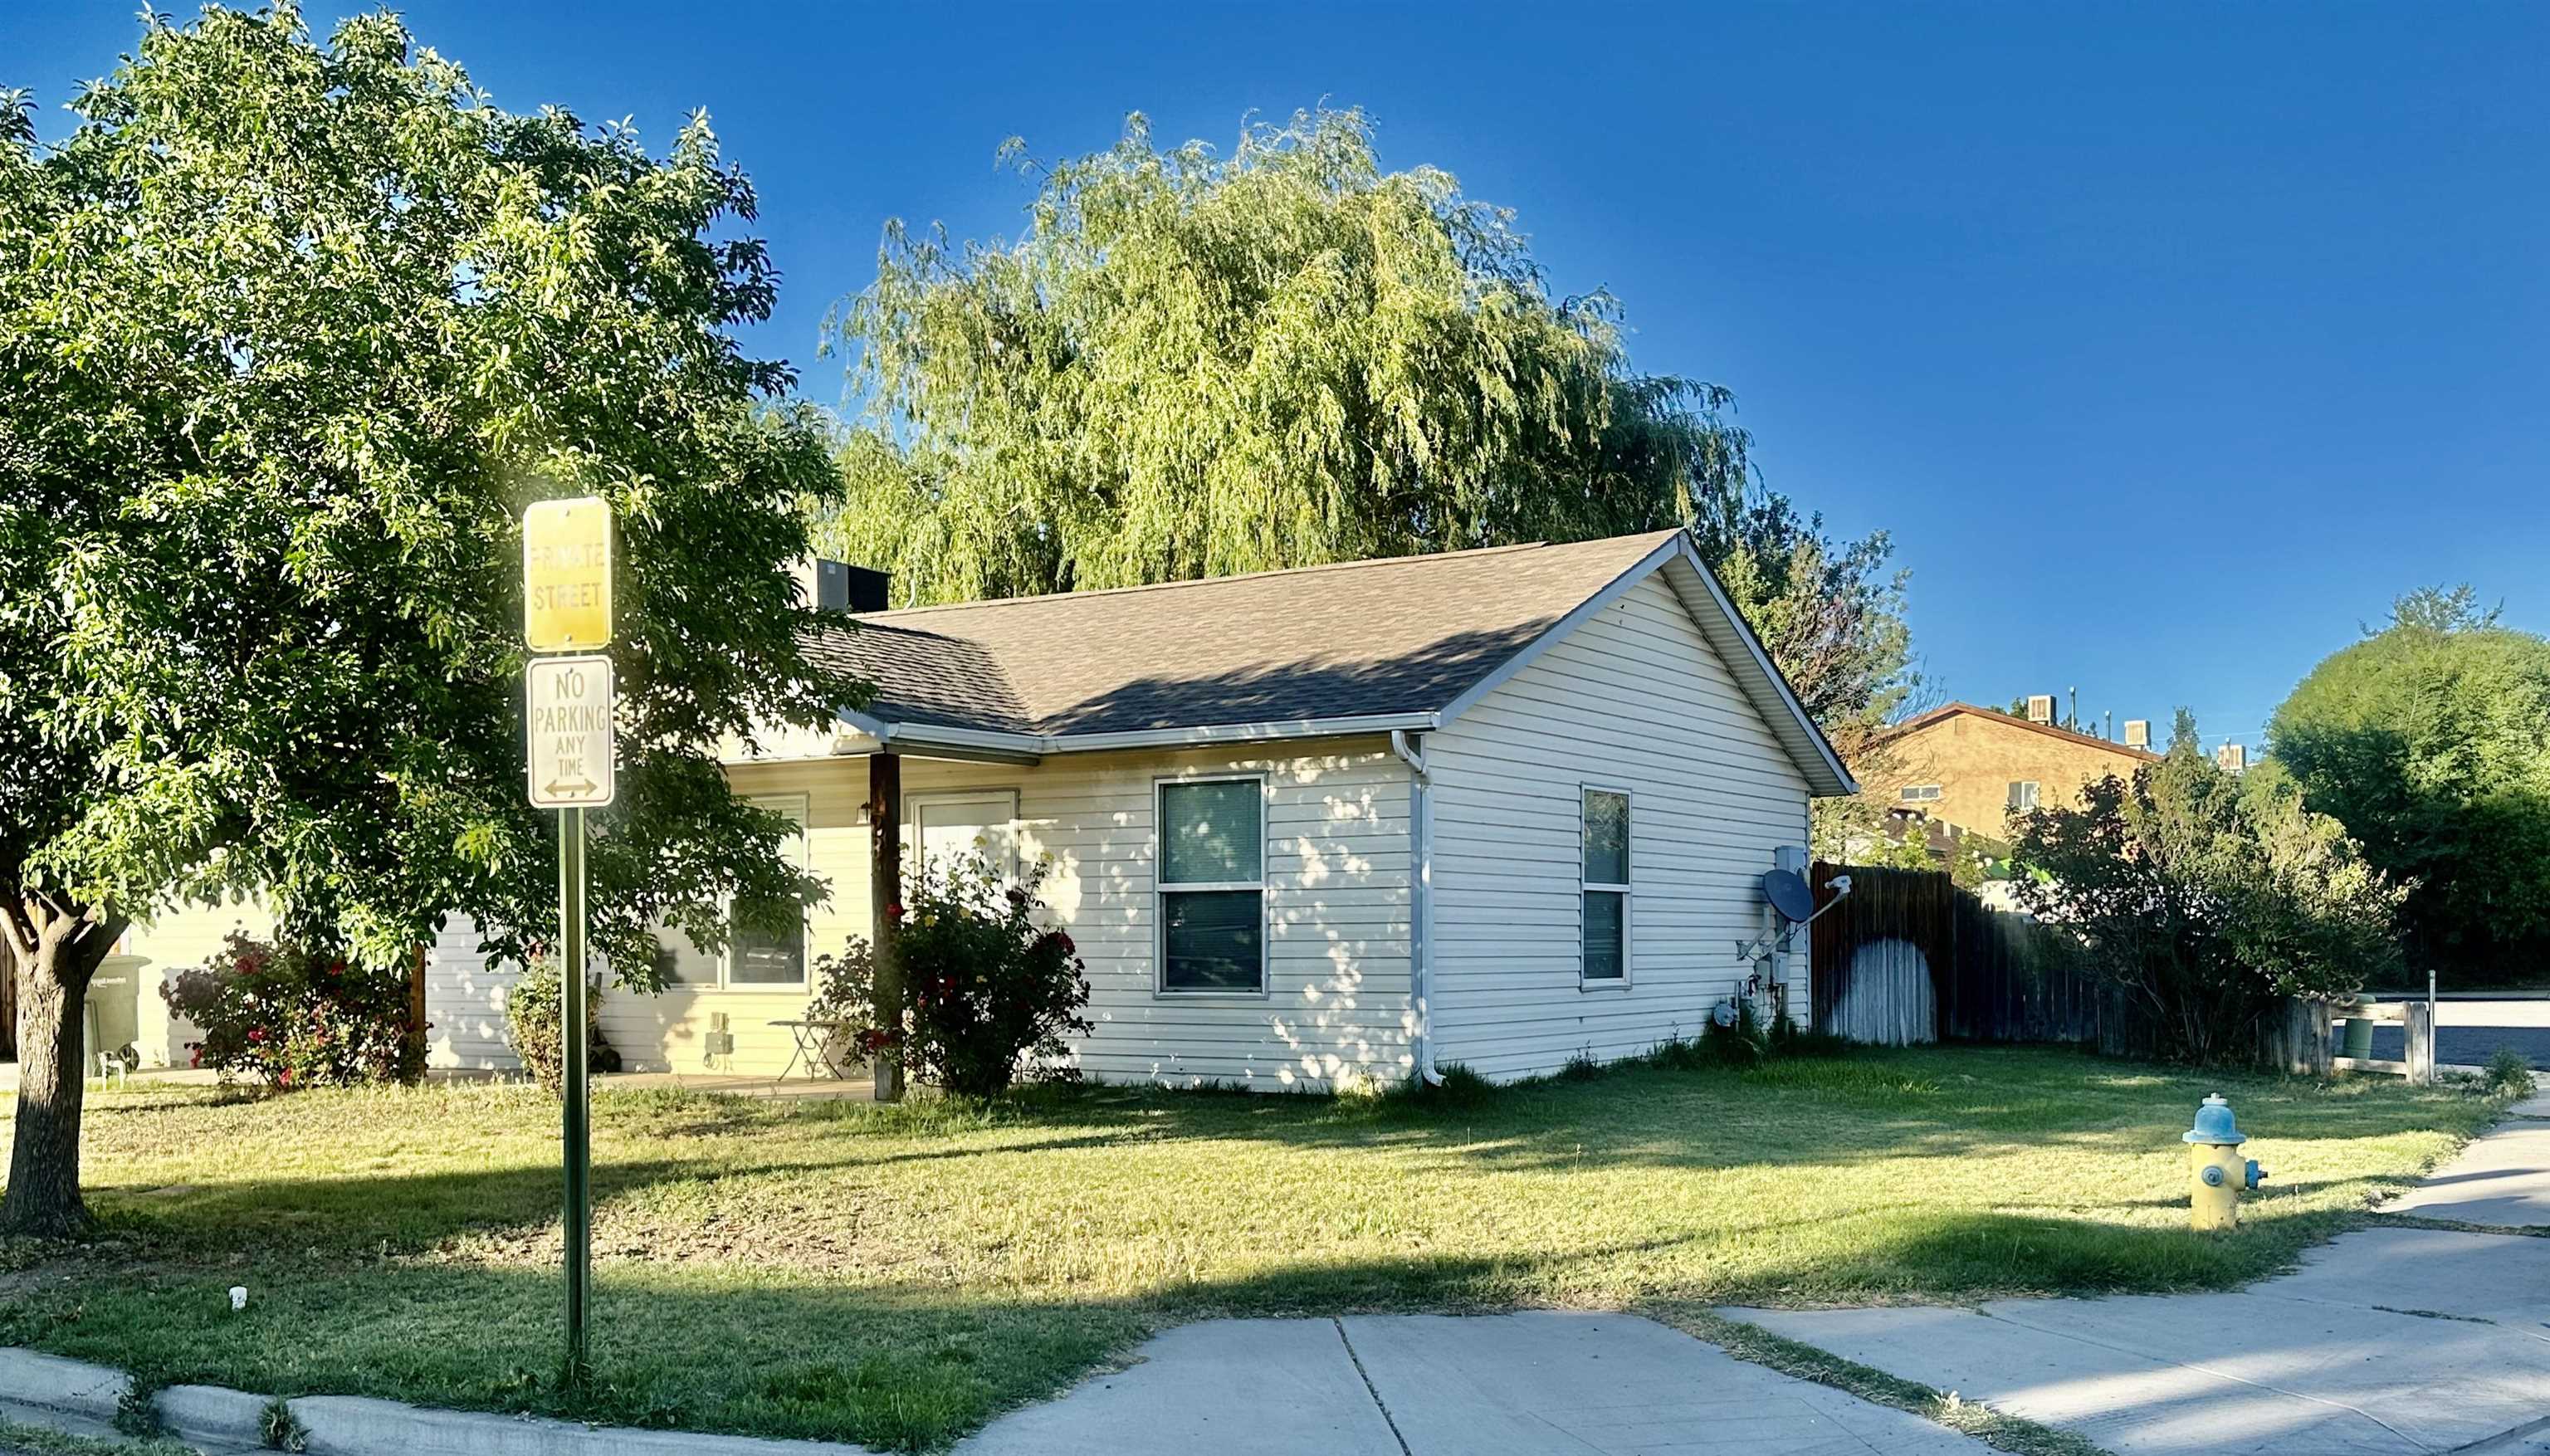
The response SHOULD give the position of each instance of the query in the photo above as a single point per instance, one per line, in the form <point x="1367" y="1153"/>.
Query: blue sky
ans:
<point x="2170" y="341"/>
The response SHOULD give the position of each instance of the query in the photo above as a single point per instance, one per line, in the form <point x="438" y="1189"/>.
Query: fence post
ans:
<point x="2421" y="1043"/>
<point x="2306" y="1050"/>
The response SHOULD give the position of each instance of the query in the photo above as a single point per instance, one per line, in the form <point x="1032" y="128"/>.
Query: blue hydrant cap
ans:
<point x="2214" y="1124"/>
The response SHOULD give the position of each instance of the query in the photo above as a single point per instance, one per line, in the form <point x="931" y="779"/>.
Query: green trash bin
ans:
<point x="2359" y="1034"/>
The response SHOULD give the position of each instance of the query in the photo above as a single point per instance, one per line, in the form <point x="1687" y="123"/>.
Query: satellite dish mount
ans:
<point x="1789" y="903"/>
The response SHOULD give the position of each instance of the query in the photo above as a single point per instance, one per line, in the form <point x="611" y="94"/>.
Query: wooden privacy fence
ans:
<point x="1909" y="939"/>
<point x="1910" y="957"/>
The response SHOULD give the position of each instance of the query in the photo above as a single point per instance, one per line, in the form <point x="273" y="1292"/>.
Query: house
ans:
<point x="1504" y="807"/>
<point x="1971" y="766"/>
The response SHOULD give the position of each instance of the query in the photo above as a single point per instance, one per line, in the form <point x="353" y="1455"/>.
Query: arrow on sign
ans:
<point x="580" y="786"/>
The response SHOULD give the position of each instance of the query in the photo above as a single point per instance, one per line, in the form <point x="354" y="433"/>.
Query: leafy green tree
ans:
<point x="291" y="332"/>
<point x="1194" y="364"/>
<point x="2430" y="741"/>
<point x="2208" y="896"/>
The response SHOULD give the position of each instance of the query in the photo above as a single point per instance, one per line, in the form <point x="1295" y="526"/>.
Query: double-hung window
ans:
<point x="1605" y="888"/>
<point x="1213" y="885"/>
<point x="766" y="946"/>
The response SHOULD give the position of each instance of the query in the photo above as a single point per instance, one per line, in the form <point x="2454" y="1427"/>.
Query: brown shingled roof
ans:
<point x="1406" y="634"/>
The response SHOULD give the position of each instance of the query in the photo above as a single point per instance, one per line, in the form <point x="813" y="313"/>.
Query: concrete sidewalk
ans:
<point x="2388" y="1340"/>
<point x="1541" y="1384"/>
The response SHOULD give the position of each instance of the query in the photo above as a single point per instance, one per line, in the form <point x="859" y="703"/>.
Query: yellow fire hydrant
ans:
<point x="2217" y="1172"/>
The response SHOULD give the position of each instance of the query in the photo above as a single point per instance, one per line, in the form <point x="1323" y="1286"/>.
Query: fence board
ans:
<point x="1996" y="976"/>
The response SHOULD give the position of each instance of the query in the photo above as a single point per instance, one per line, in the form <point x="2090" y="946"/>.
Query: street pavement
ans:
<point x="2386" y="1342"/>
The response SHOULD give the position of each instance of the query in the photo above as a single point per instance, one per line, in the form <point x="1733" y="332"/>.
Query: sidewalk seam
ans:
<point x="1374" y="1390"/>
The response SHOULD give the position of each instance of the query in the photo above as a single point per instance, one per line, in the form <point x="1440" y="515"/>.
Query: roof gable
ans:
<point x="1407" y="641"/>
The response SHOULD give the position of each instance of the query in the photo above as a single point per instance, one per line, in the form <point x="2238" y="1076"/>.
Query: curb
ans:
<point x="82" y="1399"/>
<point x="209" y="1415"/>
<point x="38" y="1386"/>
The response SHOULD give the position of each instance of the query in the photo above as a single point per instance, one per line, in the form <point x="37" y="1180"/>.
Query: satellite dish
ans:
<point x="1789" y="893"/>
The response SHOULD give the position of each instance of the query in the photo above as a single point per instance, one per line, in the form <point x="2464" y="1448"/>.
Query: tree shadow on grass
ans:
<point x="914" y="1364"/>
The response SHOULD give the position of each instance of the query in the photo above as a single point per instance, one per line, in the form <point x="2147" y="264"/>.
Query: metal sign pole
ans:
<point x="579" y="1110"/>
<point x="572" y="764"/>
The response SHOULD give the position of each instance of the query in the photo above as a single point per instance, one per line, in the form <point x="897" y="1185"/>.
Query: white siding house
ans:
<point x="1501" y="808"/>
<point x="1634" y="704"/>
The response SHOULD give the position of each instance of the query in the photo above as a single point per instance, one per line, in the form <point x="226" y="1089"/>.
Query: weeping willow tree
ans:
<point x="1196" y="363"/>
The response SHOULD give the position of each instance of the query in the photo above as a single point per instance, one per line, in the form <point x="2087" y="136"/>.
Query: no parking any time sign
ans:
<point x="572" y="748"/>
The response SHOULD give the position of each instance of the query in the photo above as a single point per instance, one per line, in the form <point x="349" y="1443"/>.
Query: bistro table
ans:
<point x="812" y="1037"/>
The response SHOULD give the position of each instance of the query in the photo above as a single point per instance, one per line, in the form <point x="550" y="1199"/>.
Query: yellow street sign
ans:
<point x="566" y="575"/>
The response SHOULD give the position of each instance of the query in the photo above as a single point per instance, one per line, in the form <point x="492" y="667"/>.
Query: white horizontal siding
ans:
<point x="1338" y="902"/>
<point x="1633" y="698"/>
<point x="180" y="936"/>
<point x="464" y="1002"/>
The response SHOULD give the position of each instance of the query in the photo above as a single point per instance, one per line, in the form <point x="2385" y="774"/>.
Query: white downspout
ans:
<point x="1420" y="901"/>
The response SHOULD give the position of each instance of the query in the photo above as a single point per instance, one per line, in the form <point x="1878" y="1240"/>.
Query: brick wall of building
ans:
<point x="1974" y="754"/>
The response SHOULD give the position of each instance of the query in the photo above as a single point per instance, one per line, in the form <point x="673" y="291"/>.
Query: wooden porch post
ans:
<point x="415" y="1044"/>
<point x="884" y="902"/>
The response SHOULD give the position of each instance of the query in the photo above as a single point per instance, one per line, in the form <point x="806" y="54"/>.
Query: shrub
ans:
<point x="986" y="990"/>
<point x="533" y="1025"/>
<point x="2508" y="1071"/>
<point x="295" y="1017"/>
<point x="2206" y="897"/>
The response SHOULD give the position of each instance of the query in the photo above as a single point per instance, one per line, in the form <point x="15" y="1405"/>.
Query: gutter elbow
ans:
<point x="1408" y="753"/>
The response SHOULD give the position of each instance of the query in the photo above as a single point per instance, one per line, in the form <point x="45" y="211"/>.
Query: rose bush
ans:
<point x="987" y="994"/>
<point x="293" y="1017"/>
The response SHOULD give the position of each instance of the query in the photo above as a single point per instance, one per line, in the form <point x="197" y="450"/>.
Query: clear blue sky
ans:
<point x="2170" y="341"/>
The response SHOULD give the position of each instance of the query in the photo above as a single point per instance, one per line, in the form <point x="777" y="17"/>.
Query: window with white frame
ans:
<point x="1921" y="793"/>
<point x="765" y="941"/>
<point x="946" y="827"/>
<point x="1606" y="887"/>
<point x="2023" y="795"/>
<point x="1213" y="885"/>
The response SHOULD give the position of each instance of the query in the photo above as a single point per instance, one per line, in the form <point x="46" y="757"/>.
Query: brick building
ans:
<point x="1970" y="766"/>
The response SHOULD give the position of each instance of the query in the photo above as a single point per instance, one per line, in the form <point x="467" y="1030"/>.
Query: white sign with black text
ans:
<point x="569" y="718"/>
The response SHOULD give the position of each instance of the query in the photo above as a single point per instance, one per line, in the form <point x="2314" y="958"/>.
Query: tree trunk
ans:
<point x="44" y="1195"/>
<point x="8" y="1001"/>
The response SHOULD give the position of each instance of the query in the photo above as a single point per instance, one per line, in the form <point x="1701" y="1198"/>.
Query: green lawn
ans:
<point x="895" y="1276"/>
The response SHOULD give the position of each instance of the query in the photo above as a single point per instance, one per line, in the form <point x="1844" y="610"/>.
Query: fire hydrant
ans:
<point x="2217" y="1172"/>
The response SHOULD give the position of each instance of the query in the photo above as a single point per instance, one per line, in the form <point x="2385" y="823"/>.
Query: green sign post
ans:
<point x="573" y="763"/>
<point x="579" y="1106"/>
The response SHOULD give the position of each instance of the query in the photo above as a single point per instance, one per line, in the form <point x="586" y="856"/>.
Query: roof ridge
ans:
<point x="1159" y="586"/>
<point x="1946" y="709"/>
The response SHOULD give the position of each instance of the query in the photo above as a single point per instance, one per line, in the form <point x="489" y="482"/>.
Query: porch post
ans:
<point x="885" y="893"/>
